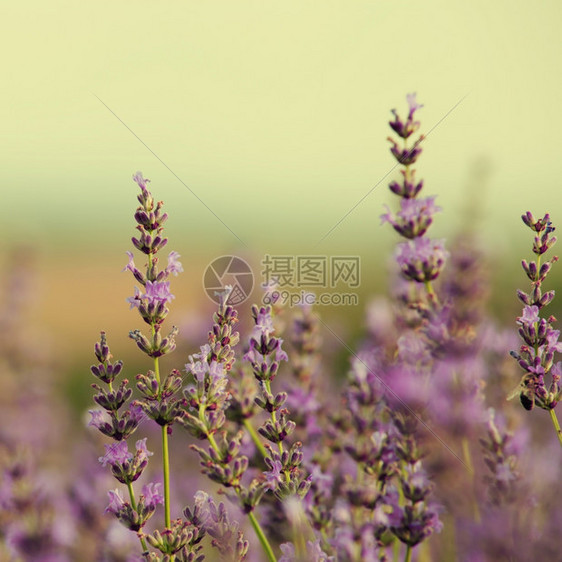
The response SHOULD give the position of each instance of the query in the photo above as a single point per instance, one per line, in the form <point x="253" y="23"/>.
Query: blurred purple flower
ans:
<point x="288" y="550"/>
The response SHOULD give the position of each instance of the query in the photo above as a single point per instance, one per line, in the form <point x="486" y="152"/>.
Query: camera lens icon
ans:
<point x="228" y="270"/>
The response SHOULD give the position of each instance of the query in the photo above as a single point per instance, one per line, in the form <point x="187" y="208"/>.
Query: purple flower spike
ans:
<point x="540" y="340"/>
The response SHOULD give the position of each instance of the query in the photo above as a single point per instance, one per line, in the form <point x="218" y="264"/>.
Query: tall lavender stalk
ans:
<point x="420" y="258"/>
<point x="160" y="401"/>
<point x="119" y="417"/>
<point x="540" y="339"/>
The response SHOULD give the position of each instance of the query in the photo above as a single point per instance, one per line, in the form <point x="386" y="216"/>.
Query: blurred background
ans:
<point x="275" y="117"/>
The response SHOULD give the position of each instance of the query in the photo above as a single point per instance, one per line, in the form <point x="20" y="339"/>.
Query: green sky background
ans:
<point x="275" y="114"/>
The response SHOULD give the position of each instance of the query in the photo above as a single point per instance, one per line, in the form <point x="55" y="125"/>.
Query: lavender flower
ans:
<point x="285" y="476"/>
<point x="157" y="293"/>
<point x="540" y="340"/>
<point x="324" y="469"/>
<point x="500" y="456"/>
<point x="421" y="259"/>
<point x="414" y="523"/>
<point x="406" y="128"/>
<point x="174" y="267"/>
<point x="414" y="218"/>
<point x="213" y="518"/>
<point x="134" y="518"/>
<point x="125" y="466"/>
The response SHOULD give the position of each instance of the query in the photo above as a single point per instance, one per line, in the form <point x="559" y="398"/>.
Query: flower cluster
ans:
<point x="393" y="492"/>
<point x="113" y="420"/>
<point x="161" y="401"/>
<point x="125" y="466"/>
<point x="540" y="339"/>
<point x="151" y="303"/>
<point x="420" y="259"/>
<point x="207" y="403"/>
<point x="285" y="476"/>
<point x="501" y="458"/>
<point x="208" y="398"/>
<point x="353" y="468"/>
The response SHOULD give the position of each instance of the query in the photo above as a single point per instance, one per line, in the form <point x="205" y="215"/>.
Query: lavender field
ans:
<point x="427" y="439"/>
<point x="280" y="282"/>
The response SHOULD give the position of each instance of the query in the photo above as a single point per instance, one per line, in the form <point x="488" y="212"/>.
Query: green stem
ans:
<point x="156" y="365"/>
<point x="395" y="550"/>
<point x="166" y="467"/>
<point x="408" y="556"/>
<point x="262" y="538"/>
<point x="325" y="539"/>
<point x="556" y="425"/>
<point x="299" y="541"/>
<point x="134" y="506"/>
<point x="431" y="292"/>
<point x="255" y="437"/>
<point x="468" y="461"/>
<point x="165" y="452"/>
